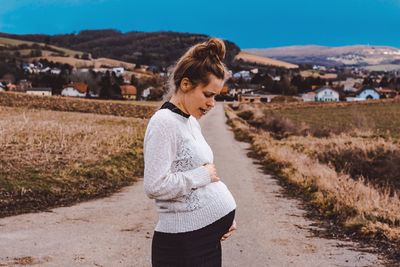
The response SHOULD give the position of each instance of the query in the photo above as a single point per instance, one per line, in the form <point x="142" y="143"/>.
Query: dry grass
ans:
<point x="135" y="109"/>
<point x="316" y="74"/>
<point x="252" y="58"/>
<point x="358" y="204"/>
<point x="92" y="63"/>
<point x="50" y="158"/>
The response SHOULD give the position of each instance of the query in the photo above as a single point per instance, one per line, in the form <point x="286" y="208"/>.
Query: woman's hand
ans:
<point x="230" y="231"/>
<point x="212" y="171"/>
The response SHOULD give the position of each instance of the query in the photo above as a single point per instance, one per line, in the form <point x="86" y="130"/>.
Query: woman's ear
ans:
<point x="185" y="85"/>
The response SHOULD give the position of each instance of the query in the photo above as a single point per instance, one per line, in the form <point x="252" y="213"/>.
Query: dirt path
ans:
<point x="116" y="231"/>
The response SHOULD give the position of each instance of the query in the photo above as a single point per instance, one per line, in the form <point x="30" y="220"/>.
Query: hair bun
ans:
<point x="214" y="48"/>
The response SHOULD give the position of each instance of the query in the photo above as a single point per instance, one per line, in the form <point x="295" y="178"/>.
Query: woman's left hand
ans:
<point x="230" y="231"/>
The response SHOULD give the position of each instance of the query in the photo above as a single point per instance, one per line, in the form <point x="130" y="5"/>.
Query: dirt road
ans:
<point x="116" y="231"/>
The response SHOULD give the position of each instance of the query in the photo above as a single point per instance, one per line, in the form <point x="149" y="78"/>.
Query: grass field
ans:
<point x="381" y="118"/>
<point x="54" y="158"/>
<point x="343" y="158"/>
<point x="122" y="108"/>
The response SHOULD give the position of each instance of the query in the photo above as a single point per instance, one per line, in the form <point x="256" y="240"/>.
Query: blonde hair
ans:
<point x="197" y="64"/>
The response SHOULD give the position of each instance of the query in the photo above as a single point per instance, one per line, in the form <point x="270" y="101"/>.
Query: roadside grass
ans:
<point x="348" y="175"/>
<point x="52" y="158"/>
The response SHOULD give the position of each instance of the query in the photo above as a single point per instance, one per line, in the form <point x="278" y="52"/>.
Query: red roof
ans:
<point x="80" y="87"/>
<point x="128" y="89"/>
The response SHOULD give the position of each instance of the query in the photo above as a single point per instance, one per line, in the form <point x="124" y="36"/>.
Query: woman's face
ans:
<point x="200" y="99"/>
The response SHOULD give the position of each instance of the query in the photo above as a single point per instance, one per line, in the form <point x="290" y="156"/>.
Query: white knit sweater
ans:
<point x="174" y="154"/>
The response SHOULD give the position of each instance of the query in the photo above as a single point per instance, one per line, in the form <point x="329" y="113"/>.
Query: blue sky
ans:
<point x="250" y="23"/>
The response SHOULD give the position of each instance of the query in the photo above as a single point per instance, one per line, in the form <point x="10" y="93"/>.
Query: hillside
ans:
<point x="358" y="55"/>
<point x="160" y="49"/>
<point x="27" y="51"/>
<point x="252" y="58"/>
<point x="28" y="45"/>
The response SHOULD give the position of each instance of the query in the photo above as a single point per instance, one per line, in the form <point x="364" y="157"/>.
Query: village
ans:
<point x="248" y="83"/>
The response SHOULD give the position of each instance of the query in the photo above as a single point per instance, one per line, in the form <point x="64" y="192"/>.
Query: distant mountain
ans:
<point x="161" y="49"/>
<point x="358" y="55"/>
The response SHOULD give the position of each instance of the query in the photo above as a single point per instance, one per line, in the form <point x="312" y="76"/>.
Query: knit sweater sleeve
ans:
<point x="160" y="146"/>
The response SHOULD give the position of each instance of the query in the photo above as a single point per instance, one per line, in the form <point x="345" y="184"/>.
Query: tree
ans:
<point x="105" y="86"/>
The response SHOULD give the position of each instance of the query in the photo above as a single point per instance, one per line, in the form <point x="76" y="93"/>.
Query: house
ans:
<point x="308" y="97"/>
<point x="55" y="71"/>
<point x="146" y="92"/>
<point x="6" y="85"/>
<point x="350" y="84"/>
<point x="118" y="71"/>
<point x="244" y="74"/>
<point x="23" y="85"/>
<point x="70" y="91"/>
<point x="249" y="98"/>
<point x="387" y="93"/>
<point x="39" y="91"/>
<point x="326" y="94"/>
<point x="253" y="98"/>
<point x="128" y="91"/>
<point x="11" y="87"/>
<point x="367" y="93"/>
<point x="254" y="71"/>
<point x="79" y="86"/>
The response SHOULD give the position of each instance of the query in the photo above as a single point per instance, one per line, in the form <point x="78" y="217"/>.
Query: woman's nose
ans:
<point x="211" y="103"/>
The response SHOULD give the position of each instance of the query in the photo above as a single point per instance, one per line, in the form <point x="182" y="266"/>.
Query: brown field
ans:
<point x="251" y="58"/>
<point x="93" y="63"/>
<point x="343" y="158"/>
<point x="135" y="109"/>
<point x="13" y="42"/>
<point x="315" y="74"/>
<point x="53" y="158"/>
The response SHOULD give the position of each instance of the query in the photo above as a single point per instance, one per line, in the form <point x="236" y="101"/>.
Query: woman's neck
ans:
<point x="176" y="101"/>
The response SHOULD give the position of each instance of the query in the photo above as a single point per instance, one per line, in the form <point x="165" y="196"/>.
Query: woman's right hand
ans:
<point x="212" y="171"/>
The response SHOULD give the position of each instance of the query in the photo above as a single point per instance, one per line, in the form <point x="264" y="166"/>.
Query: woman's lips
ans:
<point x="204" y="111"/>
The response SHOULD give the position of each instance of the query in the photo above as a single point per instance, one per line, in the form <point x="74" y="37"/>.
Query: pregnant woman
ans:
<point x="196" y="210"/>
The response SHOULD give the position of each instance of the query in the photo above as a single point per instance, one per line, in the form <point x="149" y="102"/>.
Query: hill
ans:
<point x="252" y="58"/>
<point x="28" y="45"/>
<point x="160" y="49"/>
<point x="28" y="51"/>
<point x="358" y="55"/>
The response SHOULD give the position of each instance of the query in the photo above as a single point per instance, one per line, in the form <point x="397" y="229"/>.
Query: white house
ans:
<point x="245" y="74"/>
<point x="365" y="93"/>
<point x="326" y="94"/>
<point x="55" y="71"/>
<point x="368" y="93"/>
<point x="254" y="71"/>
<point x="118" y="71"/>
<point x="39" y="91"/>
<point x="70" y="91"/>
<point x="146" y="92"/>
<point x="2" y="86"/>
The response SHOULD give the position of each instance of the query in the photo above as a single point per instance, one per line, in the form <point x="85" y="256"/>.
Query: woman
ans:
<point x="196" y="210"/>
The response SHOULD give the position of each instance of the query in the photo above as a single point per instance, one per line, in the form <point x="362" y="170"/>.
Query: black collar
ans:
<point x="175" y="109"/>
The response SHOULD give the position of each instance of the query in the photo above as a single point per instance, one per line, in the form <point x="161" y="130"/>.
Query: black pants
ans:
<point x="199" y="248"/>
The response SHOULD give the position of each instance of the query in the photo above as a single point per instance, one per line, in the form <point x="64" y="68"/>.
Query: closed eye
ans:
<point x="208" y="95"/>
